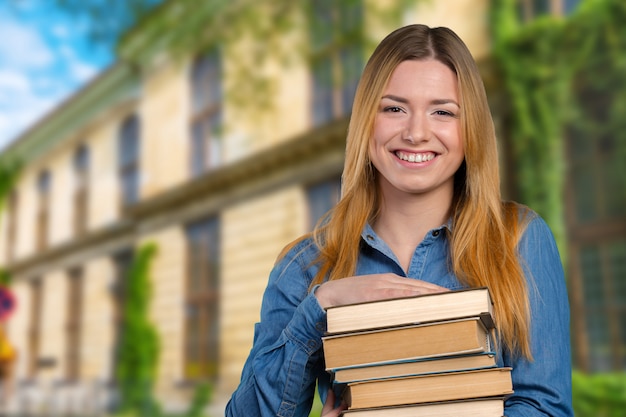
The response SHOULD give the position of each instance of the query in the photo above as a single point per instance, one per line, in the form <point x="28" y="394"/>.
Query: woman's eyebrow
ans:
<point x="396" y="98"/>
<point x="435" y="101"/>
<point x="445" y="101"/>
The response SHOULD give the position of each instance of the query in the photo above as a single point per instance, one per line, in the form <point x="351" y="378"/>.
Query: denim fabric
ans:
<point x="286" y="359"/>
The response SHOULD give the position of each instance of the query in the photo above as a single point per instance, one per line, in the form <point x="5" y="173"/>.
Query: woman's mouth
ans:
<point x="415" y="157"/>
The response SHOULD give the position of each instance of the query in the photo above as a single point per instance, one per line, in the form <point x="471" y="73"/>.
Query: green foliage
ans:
<point x="9" y="171"/>
<point x="5" y="278"/>
<point x="600" y="395"/>
<point x="139" y="344"/>
<point x="139" y="349"/>
<point x="550" y="67"/>
<point x="202" y="396"/>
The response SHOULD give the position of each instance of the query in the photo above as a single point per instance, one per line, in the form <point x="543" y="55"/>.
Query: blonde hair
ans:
<point x="478" y="213"/>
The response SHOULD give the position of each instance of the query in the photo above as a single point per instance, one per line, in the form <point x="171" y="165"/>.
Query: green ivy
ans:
<point x="139" y="344"/>
<point x="9" y="171"/>
<point x="550" y="67"/>
<point x="140" y="347"/>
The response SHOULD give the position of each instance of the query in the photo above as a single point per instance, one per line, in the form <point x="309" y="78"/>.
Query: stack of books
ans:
<point x="429" y="355"/>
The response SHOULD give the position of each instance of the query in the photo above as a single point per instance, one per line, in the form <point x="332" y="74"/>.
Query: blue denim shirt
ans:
<point x="286" y="359"/>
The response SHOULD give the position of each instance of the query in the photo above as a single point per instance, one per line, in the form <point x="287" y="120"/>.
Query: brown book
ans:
<point x="455" y="337"/>
<point x="429" y="388"/>
<point x="472" y="302"/>
<point x="478" y="407"/>
<point x="416" y="367"/>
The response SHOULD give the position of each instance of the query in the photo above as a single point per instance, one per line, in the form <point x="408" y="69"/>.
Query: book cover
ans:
<point x="477" y="407"/>
<point x="429" y="388"/>
<point x="415" y="367"/>
<point x="447" y="338"/>
<point x="471" y="302"/>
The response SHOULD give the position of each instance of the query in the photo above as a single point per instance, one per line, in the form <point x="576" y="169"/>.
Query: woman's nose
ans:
<point x="417" y="129"/>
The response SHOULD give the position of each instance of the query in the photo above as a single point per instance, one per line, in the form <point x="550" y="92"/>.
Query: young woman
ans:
<point x="420" y="212"/>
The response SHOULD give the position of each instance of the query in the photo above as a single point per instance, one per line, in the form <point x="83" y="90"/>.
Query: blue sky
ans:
<point x="44" y="58"/>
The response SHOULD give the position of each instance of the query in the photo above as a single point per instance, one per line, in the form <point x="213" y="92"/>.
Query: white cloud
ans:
<point x="61" y="31"/>
<point x="20" y="107"/>
<point x="83" y="72"/>
<point x="12" y="83"/>
<point x="22" y="46"/>
<point x="39" y="67"/>
<point x="80" y="70"/>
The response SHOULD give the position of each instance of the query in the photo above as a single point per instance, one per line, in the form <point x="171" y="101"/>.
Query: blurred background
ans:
<point x="156" y="156"/>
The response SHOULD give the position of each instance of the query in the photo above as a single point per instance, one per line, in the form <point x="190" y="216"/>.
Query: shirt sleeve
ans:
<point x="279" y="376"/>
<point x="543" y="386"/>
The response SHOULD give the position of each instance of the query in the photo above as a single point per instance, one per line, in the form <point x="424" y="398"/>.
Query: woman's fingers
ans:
<point x="371" y="288"/>
<point x="328" y="410"/>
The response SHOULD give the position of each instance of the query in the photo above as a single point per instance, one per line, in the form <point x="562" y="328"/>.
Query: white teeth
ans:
<point x="415" y="157"/>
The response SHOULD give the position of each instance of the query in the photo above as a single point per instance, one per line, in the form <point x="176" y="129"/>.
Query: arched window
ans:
<point x="202" y="299"/>
<point x="337" y="61"/>
<point x="206" y="119"/>
<point x="81" y="179"/>
<point x="128" y="159"/>
<point x="43" y="216"/>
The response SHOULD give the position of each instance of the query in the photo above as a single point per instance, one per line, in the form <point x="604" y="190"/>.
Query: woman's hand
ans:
<point x="328" y="410"/>
<point x="373" y="287"/>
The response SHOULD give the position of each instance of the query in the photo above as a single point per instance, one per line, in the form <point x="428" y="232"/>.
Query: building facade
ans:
<point x="164" y="154"/>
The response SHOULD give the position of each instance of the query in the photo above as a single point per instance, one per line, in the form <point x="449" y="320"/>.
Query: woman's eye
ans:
<point x="393" y="109"/>
<point x="444" y="113"/>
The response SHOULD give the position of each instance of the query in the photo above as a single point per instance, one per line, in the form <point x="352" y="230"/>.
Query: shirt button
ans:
<point x="312" y="344"/>
<point x="320" y="327"/>
<point x="370" y="237"/>
<point x="436" y="233"/>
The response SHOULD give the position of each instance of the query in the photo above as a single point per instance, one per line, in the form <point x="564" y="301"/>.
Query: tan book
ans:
<point x="472" y="302"/>
<point x="415" y="367"/>
<point x="479" y="407"/>
<point x="456" y="337"/>
<point x="429" y="388"/>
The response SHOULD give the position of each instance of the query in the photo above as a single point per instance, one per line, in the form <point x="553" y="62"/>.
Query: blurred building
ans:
<point x="168" y="152"/>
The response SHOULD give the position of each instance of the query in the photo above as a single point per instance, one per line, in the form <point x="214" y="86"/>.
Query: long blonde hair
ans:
<point x="485" y="231"/>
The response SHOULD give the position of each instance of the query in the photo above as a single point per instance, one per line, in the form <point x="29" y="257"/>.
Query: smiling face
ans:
<point x="416" y="145"/>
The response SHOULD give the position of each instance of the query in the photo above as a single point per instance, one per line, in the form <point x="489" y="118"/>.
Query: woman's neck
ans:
<point x="404" y="220"/>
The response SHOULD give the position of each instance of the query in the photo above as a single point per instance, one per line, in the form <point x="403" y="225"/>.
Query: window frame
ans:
<point x="201" y="347"/>
<point x="35" y="326"/>
<point x="129" y="154"/>
<point x="12" y="221"/>
<point x="44" y="184"/>
<point x="207" y="113"/>
<point x="80" y="165"/>
<point x="73" y="325"/>
<point x="338" y="55"/>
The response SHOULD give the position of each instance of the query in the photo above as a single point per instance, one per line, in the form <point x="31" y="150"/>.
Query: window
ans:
<point x="34" y="331"/>
<point x="321" y="197"/>
<point x="129" y="142"/>
<point x="122" y="262"/>
<point x="596" y="205"/>
<point x="81" y="177"/>
<point x="206" y="119"/>
<point x="12" y="219"/>
<point x="530" y="9"/>
<point x="337" y="60"/>
<point x="43" y="191"/>
<point x="202" y="300"/>
<point x="603" y="290"/>
<point x="73" y="328"/>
